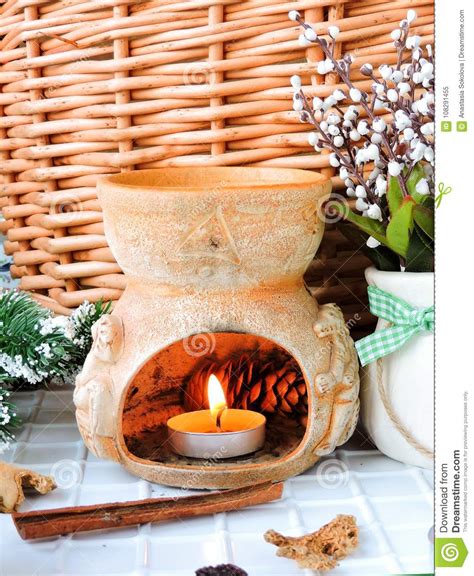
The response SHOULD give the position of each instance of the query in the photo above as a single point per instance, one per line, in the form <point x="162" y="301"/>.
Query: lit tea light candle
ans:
<point x="219" y="432"/>
<point x="217" y="401"/>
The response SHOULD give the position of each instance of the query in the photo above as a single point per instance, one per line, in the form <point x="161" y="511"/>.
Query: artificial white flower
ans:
<point x="373" y="152"/>
<point x="423" y="187"/>
<point x="408" y="134"/>
<point x="376" y="138"/>
<point x="379" y="125"/>
<point x="351" y="113"/>
<point x="350" y="192"/>
<point x="303" y="41"/>
<point x="313" y="138"/>
<point x="338" y="94"/>
<point x="333" y="130"/>
<point x="325" y="66"/>
<point x="422" y="106"/>
<point x="426" y="82"/>
<point x="333" y="160"/>
<point x="413" y="41"/>
<point x="355" y="94"/>
<point x="392" y="95"/>
<point x="317" y="103"/>
<point x="397" y="76"/>
<point x="427" y="69"/>
<point x="378" y="104"/>
<point x="394" y="168"/>
<point x="343" y="173"/>
<point x="361" y="205"/>
<point x="378" y="88"/>
<point x="363" y="127"/>
<point x="372" y="242"/>
<point x="295" y="81"/>
<point x="411" y="16"/>
<point x="381" y="185"/>
<point x="360" y="191"/>
<point x="298" y="105"/>
<point x="333" y="119"/>
<point x="361" y="156"/>
<point x="329" y="102"/>
<point x="310" y="34"/>
<point x="354" y="136"/>
<point x="338" y="141"/>
<point x="429" y="154"/>
<point x="333" y="32"/>
<point x="294" y="15"/>
<point x="374" y="212"/>
<point x="396" y="34"/>
<point x="427" y="129"/>
<point x="385" y="71"/>
<point x="418" y="151"/>
<point x="403" y="88"/>
<point x="402" y="120"/>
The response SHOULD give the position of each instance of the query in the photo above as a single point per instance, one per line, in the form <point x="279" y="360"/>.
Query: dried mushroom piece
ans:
<point x="319" y="550"/>
<point x="12" y="482"/>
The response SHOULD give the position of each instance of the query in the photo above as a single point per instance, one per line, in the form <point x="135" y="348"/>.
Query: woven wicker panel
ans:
<point x="92" y="87"/>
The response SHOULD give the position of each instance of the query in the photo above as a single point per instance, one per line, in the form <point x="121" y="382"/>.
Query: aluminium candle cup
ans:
<point x="193" y="434"/>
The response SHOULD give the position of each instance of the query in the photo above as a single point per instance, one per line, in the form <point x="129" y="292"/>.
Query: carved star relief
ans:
<point x="210" y="238"/>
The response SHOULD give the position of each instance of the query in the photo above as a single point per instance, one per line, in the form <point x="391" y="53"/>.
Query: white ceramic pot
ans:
<point x="407" y="376"/>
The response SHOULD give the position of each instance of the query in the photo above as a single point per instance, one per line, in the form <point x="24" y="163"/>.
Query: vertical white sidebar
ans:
<point x="454" y="481"/>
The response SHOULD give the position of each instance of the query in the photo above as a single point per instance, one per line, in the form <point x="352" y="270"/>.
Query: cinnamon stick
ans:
<point x="55" y="522"/>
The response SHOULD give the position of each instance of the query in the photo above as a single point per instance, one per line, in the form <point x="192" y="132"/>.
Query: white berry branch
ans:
<point x="392" y="148"/>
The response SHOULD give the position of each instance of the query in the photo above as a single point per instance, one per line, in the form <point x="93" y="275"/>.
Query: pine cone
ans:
<point x="221" y="570"/>
<point x="273" y="385"/>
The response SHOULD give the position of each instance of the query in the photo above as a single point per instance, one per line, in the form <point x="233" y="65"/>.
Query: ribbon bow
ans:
<point x="405" y="319"/>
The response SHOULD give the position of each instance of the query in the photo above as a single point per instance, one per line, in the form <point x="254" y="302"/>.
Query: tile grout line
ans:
<point x="294" y="513"/>
<point x="143" y="550"/>
<point x="221" y="527"/>
<point x="377" y="524"/>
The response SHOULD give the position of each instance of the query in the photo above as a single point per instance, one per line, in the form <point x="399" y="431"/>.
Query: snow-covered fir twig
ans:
<point x="37" y="348"/>
<point x="8" y="420"/>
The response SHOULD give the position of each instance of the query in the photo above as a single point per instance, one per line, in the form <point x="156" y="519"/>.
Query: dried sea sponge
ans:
<point x="319" y="550"/>
<point x="12" y="482"/>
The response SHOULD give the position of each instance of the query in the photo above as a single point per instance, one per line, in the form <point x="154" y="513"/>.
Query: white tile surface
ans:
<point x="392" y="503"/>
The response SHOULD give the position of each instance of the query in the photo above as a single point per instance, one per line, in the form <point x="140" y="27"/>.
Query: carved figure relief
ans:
<point x="93" y="395"/>
<point x="341" y="379"/>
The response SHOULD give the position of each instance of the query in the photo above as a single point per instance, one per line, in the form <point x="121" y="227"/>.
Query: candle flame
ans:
<point x="216" y="396"/>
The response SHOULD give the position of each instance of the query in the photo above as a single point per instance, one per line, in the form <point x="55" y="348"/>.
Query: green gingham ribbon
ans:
<point x="405" y="320"/>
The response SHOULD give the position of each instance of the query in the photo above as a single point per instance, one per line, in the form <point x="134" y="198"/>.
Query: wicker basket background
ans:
<point x="92" y="87"/>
